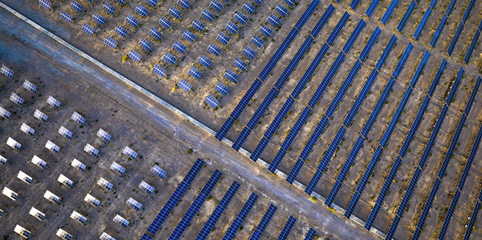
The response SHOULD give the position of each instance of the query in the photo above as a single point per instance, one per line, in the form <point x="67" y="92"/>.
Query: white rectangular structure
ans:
<point x="118" y="168"/>
<point x="13" y="143"/>
<point x="131" y="202"/>
<point x="78" y="118"/>
<point x="65" y="180"/>
<point x="78" y="217"/>
<point x="78" y="164"/>
<point x="22" y="231"/>
<point x="64" y="234"/>
<point x="120" y="220"/>
<point x="37" y="214"/>
<point x="10" y="193"/>
<point x="52" y="197"/>
<point x="92" y="200"/>
<point x="146" y="187"/>
<point x="129" y="152"/>
<point x="104" y="183"/>
<point x="40" y="115"/>
<point x="24" y="177"/>
<point x="4" y="113"/>
<point x="53" y="102"/>
<point x="52" y="146"/>
<point x="27" y="129"/>
<point x="29" y="86"/>
<point x="16" y="99"/>
<point x="3" y="159"/>
<point x="65" y="132"/>
<point x="105" y="236"/>
<point x="38" y="161"/>
<point x="158" y="171"/>
<point x="91" y="149"/>
<point x="103" y="134"/>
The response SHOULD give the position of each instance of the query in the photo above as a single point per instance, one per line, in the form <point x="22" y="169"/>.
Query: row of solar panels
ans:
<point x="473" y="43"/>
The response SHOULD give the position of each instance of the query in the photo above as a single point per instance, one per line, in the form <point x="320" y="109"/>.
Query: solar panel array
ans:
<point x="456" y="36"/>
<point x="240" y="217"/>
<point x="211" y="101"/>
<point x="184" y="85"/>
<point x="7" y="71"/>
<point x="189" y="36"/>
<point x="141" y="10"/>
<point x="240" y="18"/>
<point x="175" y="13"/>
<point x="121" y="31"/>
<point x="179" y="47"/>
<point x="184" y="3"/>
<point x="216" y="5"/>
<point x="223" y="38"/>
<point x="264" y="222"/>
<point x="155" y="33"/>
<point x="287" y="228"/>
<point x="207" y="15"/>
<point x="473" y="217"/>
<point x="88" y="29"/>
<point x="159" y="70"/>
<point x="204" y="61"/>
<point x="131" y="21"/>
<point x="198" y="25"/>
<point x="231" y="76"/>
<point x="109" y="9"/>
<point x="442" y="23"/>
<point x="214" y="49"/>
<point x="135" y="56"/>
<point x="248" y="52"/>
<point x="169" y="58"/>
<point x="473" y="43"/>
<point x="153" y="3"/>
<point x="46" y="4"/>
<point x="76" y="6"/>
<point x="311" y="234"/>
<point x="65" y="16"/>
<point x="195" y="73"/>
<point x="240" y="64"/>
<point x="221" y="88"/>
<point x="165" y="23"/>
<point x="248" y="7"/>
<point x="98" y="18"/>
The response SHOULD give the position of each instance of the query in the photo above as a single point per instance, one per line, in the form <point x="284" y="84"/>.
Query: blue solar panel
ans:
<point x="211" y="101"/>
<point x="169" y="58"/>
<point x="198" y="25"/>
<point x="179" y="47"/>
<point x="406" y="16"/>
<point x="241" y="216"/>
<point x="145" y="44"/>
<point x="184" y="3"/>
<point x="438" y="31"/>
<point x="76" y="6"/>
<point x="204" y="61"/>
<point x="473" y="218"/>
<point x="232" y="28"/>
<point x="467" y="11"/>
<point x="248" y="52"/>
<point x="65" y="16"/>
<point x="472" y="45"/>
<point x="281" y="10"/>
<point x="189" y="36"/>
<point x="121" y="2"/>
<point x="184" y="85"/>
<point x="311" y="8"/>
<point x="371" y="42"/>
<point x="339" y="26"/>
<point x="221" y="88"/>
<point x="240" y="18"/>
<point x="88" y="29"/>
<point x="216" y="5"/>
<point x="175" y="13"/>
<point x="257" y="41"/>
<point x="455" y="38"/>
<point x="223" y="38"/>
<point x="290" y="2"/>
<point x="7" y="71"/>
<point x="135" y="56"/>
<point x="141" y="10"/>
<point x="109" y="9"/>
<point x="354" y="36"/>
<point x="131" y="21"/>
<point x="240" y="64"/>
<point x="207" y="15"/>
<point x="121" y="31"/>
<point x="258" y="2"/>
<point x="195" y="73"/>
<point x="371" y="8"/>
<point x="311" y="234"/>
<point x="110" y="42"/>
<point x="214" y="49"/>
<point x="248" y="7"/>
<point x="159" y="70"/>
<point x="152" y="2"/>
<point x="155" y="33"/>
<point x="98" y="18"/>
<point x="273" y="20"/>
<point x="231" y="76"/>
<point x="386" y="52"/>
<point x="46" y="4"/>
<point x="389" y="11"/>
<point x="422" y="23"/>
<point x="287" y="228"/>
<point x="266" y="30"/>
<point x="165" y="23"/>
<point x="264" y="221"/>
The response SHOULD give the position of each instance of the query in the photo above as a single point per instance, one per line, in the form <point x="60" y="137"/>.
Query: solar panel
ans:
<point x="4" y="113"/>
<point x="65" y="16"/>
<point x="221" y="88"/>
<point x="189" y="36"/>
<point x="78" y="118"/>
<point x="29" y="86"/>
<point x="155" y="33"/>
<point x="214" y="49"/>
<point x="117" y="167"/>
<point x="287" y="228"/>
<point x="134" y="56"/>
<point x="281" y="10"/>
<point x="232" y="28"/>
<point x="248" y="7"/>
<point x="184" y="3"/>
<point x="240" y="18"/>
<point x="134" y="204"/>
<point x="273" y="20"/>
<point x="152" y="2"/>
<point x="88" y="29"/>
<point x="109" y="9"/>
<point x="198" y="25"/>
<point x="7" y="71"/>
<point x="195" y="73"/>
<point x="240" y="64"/>
<point x="53" y="102"/>
<point x="290" y="2"/>
<point x="257" y="41"/>
<point x="131" y="21"/>
<point x="159" y="70"/>
<point x="207" y="15"/>
<point x="169" y="58"/>
<point x="310" y="235"/>
<point x="146" y="187"/>
<point x="231" y="76"/>
<point x="223" y="38"/>
<point x="264" y="222"/>
<point x="158" y="171"/>
<point x="165" y="23"/>
<point x="204" y="61"/>
<point x="98" y="18"/>
<point x="211" y="101"/>
<point x="184" y="85"/>
<point x="76" y="6"/>
<point x="248" y="52"/>
<point x="121" y="31"/>
<point x="216" y="5"/>
<point x="231" y="232"/>
<point x="145" y="44"/>
<point x="121" y="2"/>
<point x="179" y="47"/>
<point x="141" y="10"/>
<point x="16" y="99"/>
<point x="175" y="13"/>
<point x="266" y="30"/>
<point x="45" y="4"/>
